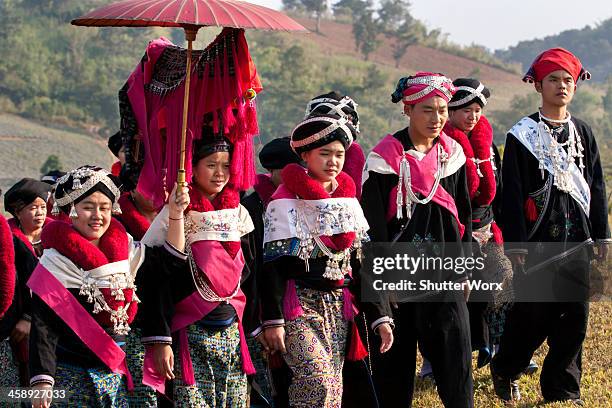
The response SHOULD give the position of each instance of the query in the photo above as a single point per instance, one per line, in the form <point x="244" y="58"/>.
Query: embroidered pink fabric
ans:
<point x="211" y="257"/>
<point x="422" y="174"/>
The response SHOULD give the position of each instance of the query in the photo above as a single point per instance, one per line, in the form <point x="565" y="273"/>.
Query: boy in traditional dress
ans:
<point x="554" y="192"/>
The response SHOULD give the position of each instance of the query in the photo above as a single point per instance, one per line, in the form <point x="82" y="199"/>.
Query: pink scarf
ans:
<point x="422" y="173"/>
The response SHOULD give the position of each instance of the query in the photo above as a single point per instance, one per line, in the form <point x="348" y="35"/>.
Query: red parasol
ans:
<point x="189" y="15"/>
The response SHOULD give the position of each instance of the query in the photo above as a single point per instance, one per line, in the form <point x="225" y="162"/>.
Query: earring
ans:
<point x="55" y="210"/>
<point x="73" y="214"/>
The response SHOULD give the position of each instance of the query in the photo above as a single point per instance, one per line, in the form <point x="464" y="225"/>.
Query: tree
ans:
<point x="52" y="163"/>
<point x="317" y="7"/>
<point x="394" y="15"/>
<point x="398" y="25"/>
<point x="366" y="29"/>
<point x="346" y="9"/>
<point x="404" y="38"/>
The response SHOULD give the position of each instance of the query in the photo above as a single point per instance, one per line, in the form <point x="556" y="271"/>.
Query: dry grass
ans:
<point x="596" y="380"/>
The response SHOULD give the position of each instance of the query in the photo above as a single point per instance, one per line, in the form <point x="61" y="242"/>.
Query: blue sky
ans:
<point x="501" y="23"/>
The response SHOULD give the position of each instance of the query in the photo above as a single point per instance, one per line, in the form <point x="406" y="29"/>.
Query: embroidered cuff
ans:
<point x="255" y="332"/>
<point x="273" y="323"/>
<point x="173" y="251"/>
<point x="604" y="241"/>
<point x="156" y="340"/>
<point x="382" y="320"/>
<point x="26" y="317"/>
<point x="42" y="378"/>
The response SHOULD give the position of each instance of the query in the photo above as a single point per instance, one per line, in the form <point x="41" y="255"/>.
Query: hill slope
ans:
<point x="25" y="145"/>
<point x="338" y="38"/>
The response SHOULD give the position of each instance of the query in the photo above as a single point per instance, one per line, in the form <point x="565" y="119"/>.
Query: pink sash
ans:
<point x="211" y="257"/>
<point x="44" y="284"/>
<point x="422" y="174"/>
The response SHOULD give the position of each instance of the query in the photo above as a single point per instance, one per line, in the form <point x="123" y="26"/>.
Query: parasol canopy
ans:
<point x="187" y="13"/>
<point x="190" y="15"/>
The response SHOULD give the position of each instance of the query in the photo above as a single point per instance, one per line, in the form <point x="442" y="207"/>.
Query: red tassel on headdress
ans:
<point x="531" y="211"/>
<point x="252" y="127"/>
<point x="354" y="162"/>
<point x="357" y="350"/>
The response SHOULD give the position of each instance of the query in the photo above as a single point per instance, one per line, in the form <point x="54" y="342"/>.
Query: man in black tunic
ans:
<point x="437" y="210"/>
<point x="554" y="195"/>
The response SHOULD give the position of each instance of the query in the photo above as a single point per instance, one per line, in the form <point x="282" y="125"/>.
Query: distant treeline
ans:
<point x="592" y="44"/>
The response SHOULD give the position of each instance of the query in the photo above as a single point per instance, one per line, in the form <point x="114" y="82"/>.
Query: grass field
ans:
<point x="596" y="379"/>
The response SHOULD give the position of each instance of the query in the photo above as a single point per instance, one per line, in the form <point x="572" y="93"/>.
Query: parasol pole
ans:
<point x="190" y="35"/>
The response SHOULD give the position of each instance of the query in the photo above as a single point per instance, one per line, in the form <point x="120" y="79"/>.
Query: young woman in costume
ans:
<point x="26" y="201"/>
<point x="472" y="130"/>
<point x="202" y="341"/>
<point x="313" y="233"/>
<point x="84" y="293"/>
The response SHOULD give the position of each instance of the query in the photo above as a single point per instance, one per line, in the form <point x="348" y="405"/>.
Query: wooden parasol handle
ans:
<point x="190" y="36"/>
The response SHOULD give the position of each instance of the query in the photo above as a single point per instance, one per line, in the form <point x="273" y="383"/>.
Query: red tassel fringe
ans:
<point x="116" y="169"/>
<point x="292" y="309"/>
<point x="357" y="350"/>
<point x="498" y="237"/>
<point x="531" y="211"/>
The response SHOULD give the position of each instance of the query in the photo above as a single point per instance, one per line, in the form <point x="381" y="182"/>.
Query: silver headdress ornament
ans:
<point x="334" y="124"/>
<point x="437" y="82"/>
<point x="84" y="179"/>
<point x="473" y="94"/>
<point x="335" y="107"/>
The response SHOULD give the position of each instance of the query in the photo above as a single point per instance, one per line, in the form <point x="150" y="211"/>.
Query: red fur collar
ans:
<point x="264" y="187"/>
<point x="19" y="233"/>
<point x="478" y="145"/>
<point x="136" y="223"/>
<point x="354" y="162"/>
<point x="296" y="180"/>
<point x="112" y="247"/>
<point x="7" y="266"/>
<point x="227" y="198"/>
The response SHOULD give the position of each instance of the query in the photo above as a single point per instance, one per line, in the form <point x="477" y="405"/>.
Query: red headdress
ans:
<point x="556" y="59"/>
<point x="224" y="83"/>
